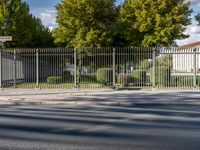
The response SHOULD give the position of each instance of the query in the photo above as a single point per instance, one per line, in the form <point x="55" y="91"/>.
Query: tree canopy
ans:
<point x="95" y="23"/>
<point x="27" y="30"/>
<point x="98" y="23"/>
<point x="197" y="17"/>
<point x="85" y="23"/>
<point x="154" y="22"/>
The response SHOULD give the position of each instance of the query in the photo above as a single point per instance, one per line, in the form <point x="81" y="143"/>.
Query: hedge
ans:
<point x="162" y="75"/>
<point x="184" y="81"/>
<point x="124" y="79"/>
<point x="88" y="78"/>
<point x="66" y="76"/>
<point x="105" y="75"/>
<point x="139" y="76"/>
<point x="54" y="79"/>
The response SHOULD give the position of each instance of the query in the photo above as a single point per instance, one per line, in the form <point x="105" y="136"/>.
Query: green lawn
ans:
<point x="63" y="85"/>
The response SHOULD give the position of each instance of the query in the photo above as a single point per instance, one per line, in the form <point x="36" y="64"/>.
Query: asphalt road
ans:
<point x="99" y="127"/>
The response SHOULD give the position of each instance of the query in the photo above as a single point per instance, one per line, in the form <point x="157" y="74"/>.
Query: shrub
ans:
<point x="124" y="79"/>
<point x="174" y="81"/>
<point x="185" y="81"/>
<point x="198" y="81"/>
<point x="148" y="81"/>
<point x="163" y="75"/>
<point x="166" y="60"/>
<point x="139" y="76"/>
<point x="145" y="64"/>
<point x="54" y="79"/>
<point x="105" y="75"/>
<point x="88" y="78"/>
<point x="66" y="76"/>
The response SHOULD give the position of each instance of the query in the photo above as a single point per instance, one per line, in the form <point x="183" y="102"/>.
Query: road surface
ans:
<point x="100" y="126"/>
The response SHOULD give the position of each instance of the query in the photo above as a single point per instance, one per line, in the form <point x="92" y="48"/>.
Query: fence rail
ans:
<point x="157" y="67"/>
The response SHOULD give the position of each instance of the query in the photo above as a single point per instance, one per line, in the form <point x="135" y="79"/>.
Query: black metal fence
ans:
<point x="157" y="67"/>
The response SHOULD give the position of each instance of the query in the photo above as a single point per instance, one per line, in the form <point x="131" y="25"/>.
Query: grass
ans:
<point x="62" y="85"/>
<point x="91" y="86"/>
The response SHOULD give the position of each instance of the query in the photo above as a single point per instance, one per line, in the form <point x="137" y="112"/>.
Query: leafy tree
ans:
<point x="15" y="20"/>
<point x="85" y="23"/>
<point x="197" y="17"/>
<point x="41" y="36"/>
<point x="3" y="15"/>
<point x="154" y="22"/>
<point x="126" y="21"/>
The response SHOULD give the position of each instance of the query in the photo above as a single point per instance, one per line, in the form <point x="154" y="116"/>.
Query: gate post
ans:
<point x="37" y="67"/>
<point x="154" y="67"/>
<point x="15" y="69"/>
<point x="75" y="69"/>
<point x="1" y="71"/>
<point x="114" y="64"/>
<point x="194" y="68"/>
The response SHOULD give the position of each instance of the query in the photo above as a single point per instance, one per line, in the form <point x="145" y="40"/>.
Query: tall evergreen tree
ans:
<point x="85" y="23"/>
<point x="197" y="17"/>
<point x="154" y="22"/>
<point x="16" y="21"/>
<point x="3" y="16"/>
<point x="41" y="35"/>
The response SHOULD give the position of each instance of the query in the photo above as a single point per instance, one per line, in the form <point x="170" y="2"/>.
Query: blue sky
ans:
<point x="45" y="9"/>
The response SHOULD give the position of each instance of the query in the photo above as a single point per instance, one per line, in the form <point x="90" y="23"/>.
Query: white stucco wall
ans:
<point x="184" y="62"/>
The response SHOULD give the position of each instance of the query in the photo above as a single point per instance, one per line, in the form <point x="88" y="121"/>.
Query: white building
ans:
<point x="183" y="58"/>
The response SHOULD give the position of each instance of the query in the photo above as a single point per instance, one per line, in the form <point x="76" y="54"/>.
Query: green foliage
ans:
<point x="66" y="76"/>
<point x="148" y="80"/>
<point x="124" y="79"/>
<point x="165" y="60"/>
<point x="85" y="23"/>
<point x="154" y="22"/>
<point x="162" y="75"/>
<point x="197" y="17"/>
<point x="184" y="81"/>
<point x="105" y="75"/>
<point x="145" y="64"/>
<point x="27" y="31"/>
<point x="198" y="80"/>
<point x="54" y="79"/>
<point x="89" y="78"/>
<point x="139" y="76"/>
<point x="41" y="36"/>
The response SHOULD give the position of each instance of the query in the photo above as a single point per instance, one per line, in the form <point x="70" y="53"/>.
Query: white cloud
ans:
<point x="190" y="40"/>
<point x="51" y="28"/>
<point x="194" y="32"/>
<point x="195" y="3"/>
<point x="47" y="16"/>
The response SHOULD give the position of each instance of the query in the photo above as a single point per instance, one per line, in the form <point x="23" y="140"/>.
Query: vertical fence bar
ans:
<point x="37" y="67"/>
<point x="14" y="69"/>
<point x="114" y="64"/>
<point x="75" y="68"/>
<point x="1" y="71"/>
<point x="194" y="69"/>
<point x="154" y="67"/>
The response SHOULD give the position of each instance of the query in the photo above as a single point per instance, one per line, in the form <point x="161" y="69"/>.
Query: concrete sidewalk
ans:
<point x="99" y="97"/>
